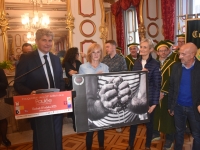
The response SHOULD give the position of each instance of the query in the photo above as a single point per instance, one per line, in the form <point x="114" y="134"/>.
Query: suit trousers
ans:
<point x="57" y="124"/>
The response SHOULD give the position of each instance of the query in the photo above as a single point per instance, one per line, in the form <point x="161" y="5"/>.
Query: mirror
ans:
<point x="17" y="34"/>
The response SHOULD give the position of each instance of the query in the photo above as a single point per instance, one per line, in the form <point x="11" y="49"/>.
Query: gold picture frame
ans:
<point x="17" y="40"/>
<point x="84" y="14"/>
<point x="81" y="46"/>
<point x="85" y="34"/>
<point x="157" y="28"/>
<point x="147" y="8"/>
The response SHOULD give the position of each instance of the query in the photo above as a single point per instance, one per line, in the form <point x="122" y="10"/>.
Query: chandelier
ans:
<point x="35" y="21"/>
<point x="30" y="37"/>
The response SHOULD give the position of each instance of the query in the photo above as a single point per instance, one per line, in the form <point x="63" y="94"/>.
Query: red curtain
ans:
<point x="117" y="10"/>
<point x="168" y="15"/>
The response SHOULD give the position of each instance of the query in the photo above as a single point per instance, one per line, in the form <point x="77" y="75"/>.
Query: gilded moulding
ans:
<point x="157" y="30"/>
<point x="4" y="27"/>
<point x="93" y="26"/>
<point x="70" y="22"/>
<point x="103" y="28"/>
<point x="142" y="30"/>
<point x="80" y="11"/>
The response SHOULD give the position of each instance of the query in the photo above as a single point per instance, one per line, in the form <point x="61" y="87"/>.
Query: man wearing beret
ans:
<point x="119" y="51"/>
<point x="163" y="122"/>
<point x="181" y="40"/>
<point x="130" y="59"/>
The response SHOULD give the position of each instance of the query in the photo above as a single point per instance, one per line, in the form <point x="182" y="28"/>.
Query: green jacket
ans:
<point x="174" y="56"/>
<point x="130" y="61"/>
<point x="163" y="122"/>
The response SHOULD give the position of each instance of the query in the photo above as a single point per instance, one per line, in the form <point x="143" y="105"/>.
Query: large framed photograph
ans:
<point x="110" y="100"/>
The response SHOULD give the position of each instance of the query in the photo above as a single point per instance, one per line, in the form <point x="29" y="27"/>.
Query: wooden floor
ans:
<point x="113" y="141"/>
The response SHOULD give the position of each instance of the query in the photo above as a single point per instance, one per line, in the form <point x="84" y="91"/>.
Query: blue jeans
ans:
<point x="181" y="114"/>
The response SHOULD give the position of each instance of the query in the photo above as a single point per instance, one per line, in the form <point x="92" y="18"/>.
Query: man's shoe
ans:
<point x="129" y="148"/>
<point x="168" y="145"/>
<point x="155" y="138"/>
<point x="6" y="143"/>
<point x="147" y="148"/>
<point x="101" y="148"/>
<point x="187" y="131"/>
<point x="118" y="130"/>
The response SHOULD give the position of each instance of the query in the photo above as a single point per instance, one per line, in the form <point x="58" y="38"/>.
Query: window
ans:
<point x="131" y="27"/>
<point x="183" y="8"/>
<point x="196" y="6"/>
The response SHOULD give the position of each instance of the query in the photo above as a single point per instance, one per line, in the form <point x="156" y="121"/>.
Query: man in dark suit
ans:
<point x="47" y="76"/>
<point x="184" y="98"/>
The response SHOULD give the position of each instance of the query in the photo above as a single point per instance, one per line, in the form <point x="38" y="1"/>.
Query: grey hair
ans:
<point x="43" y="31"/>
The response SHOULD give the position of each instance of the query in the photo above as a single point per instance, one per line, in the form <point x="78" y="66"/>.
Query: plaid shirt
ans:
<point x="115" y="64"/>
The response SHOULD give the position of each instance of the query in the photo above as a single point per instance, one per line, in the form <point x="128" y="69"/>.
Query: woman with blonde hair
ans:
<point x="94" y="65"/>
<point x="146" y="63"/>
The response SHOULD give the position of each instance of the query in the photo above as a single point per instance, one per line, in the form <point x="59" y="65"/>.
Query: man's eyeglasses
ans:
<point x="163" y="51"/>
<point x="181" y="41"/>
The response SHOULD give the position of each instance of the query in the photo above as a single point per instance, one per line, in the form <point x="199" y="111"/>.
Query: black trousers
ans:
<point x="89" y="139"/>
<point x="57" y="124"/>
<point x="149" y="132"/>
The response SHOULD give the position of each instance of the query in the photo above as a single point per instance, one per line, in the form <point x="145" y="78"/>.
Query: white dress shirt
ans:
<point x="44" y="66"/>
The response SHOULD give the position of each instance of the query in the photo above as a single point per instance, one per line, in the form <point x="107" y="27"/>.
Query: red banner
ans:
<point x="28" y="106"/>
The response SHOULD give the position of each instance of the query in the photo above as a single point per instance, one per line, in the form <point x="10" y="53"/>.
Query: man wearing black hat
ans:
<point x="130" y="59"/>
<point x="119" y="51"/>
<point x="163" y="122"/>
<point x="181" y="40"/>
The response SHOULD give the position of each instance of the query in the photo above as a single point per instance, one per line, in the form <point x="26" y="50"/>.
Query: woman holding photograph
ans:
<point x="147" y="63"/>
<point x="94" y="65"/>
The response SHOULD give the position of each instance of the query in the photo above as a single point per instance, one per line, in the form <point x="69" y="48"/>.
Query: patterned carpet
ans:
<point x="113" y="141"/>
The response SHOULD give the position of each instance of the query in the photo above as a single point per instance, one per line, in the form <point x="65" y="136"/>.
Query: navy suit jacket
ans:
<point x="36" y="79"/>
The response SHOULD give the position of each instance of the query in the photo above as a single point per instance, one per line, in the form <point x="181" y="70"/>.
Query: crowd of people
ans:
<point x="173" y="80"/>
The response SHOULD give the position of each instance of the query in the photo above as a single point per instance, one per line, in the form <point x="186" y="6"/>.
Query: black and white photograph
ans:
<point x="110" y="100"/>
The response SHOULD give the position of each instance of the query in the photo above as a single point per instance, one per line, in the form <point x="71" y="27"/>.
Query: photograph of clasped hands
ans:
<point x="124" y="99"/>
